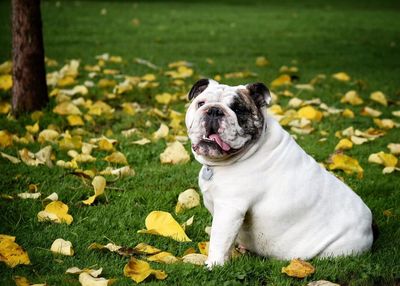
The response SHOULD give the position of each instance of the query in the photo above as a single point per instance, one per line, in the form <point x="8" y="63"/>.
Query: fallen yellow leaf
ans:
<point x="344" y="144"/>
<point x="33" y="196"/>
<point x="281" y="80"/>
<point x="379" y="97"/>
<point x="12" y="159"/>
<point x="164" y="98"/>
<point x="105" y="83"/>
<point x="11" y="253"/>
<point x="203" y="247"/>
<point x="144" y="248"/>
<point x="388" y="160"/>
<point x="142" y="141"/>
<point x="341" y="76"/>
<point x="110" y="246"/>
<point x="56" y="212"/>
<point x="348" y="113"/>
<point x="120" y="172"/>
<point x="384" y="123"/>
<point x="352" y="97"/>
<point x="163" y="257"/>
<point x="394" y="148"/>
<point x="33" y="129"/>
<point x="116" y="158"/>
<point x="6" y="67"/>
<point x="368" y="111"/>
<point x="322" y="283"/>
<point x="162" y="132"/>
<point x="88" y="280"/>
<point x="298" y="268"/>
<point x="195" y="258"/>
<point x="75" y="120"/>
<point x="175" y="153"/>
<point x="6" y="139"/>
<point x="347" y="164"/>
<point x="310" y="113"/>
<point x="358" y="140"/>
<point x="99" y="184"/>
<point x="48" y="135"/>
<point x="23" y="281"/>
<point x="5" y="107"/>
<point x="6" y="82"/>
<point x="181" y="72"/>
<point x="139" y="270"/>
<point x="67" y="108"/>
<point x="162" y="223"/>
<point x="187" y="200"/>
<point x="63" y="247"/>
<point x="261" y="61"/>
<point x="100" y="108"/>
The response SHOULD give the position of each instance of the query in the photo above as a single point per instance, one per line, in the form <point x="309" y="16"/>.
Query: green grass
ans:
<point x="361" y="39"/>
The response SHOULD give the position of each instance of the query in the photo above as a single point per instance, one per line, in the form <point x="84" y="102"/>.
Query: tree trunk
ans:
<point x="29" y="91"/>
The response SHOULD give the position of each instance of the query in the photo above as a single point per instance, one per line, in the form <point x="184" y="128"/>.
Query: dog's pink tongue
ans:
<point x="218" y="140"/>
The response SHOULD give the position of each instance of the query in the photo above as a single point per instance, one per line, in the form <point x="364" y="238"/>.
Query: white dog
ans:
<point x="262" y="189"/>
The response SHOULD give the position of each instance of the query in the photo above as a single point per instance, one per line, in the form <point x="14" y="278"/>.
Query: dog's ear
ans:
<point x="198" y="88"/>
<point x="259" y="93"/>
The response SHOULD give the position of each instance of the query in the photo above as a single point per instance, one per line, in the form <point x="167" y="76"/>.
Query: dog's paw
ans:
<point x="211" y="263"/>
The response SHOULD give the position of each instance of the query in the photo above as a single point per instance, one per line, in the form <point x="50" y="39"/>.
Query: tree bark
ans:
<point x="29" y="91"/>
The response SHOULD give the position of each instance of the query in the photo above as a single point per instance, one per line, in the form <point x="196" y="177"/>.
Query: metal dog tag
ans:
<point x="207" y="173"/>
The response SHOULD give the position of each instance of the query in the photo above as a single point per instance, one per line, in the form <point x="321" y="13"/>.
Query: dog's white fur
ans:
<point x="276" y="200"/>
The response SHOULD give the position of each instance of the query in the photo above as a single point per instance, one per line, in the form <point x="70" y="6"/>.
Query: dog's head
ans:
<point x="223" y="121"/>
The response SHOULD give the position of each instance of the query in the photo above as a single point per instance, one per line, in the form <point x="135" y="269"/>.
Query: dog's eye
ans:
<point x="200" y="104"/>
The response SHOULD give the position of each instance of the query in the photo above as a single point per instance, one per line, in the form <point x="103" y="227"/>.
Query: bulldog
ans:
<point x="262" y="189"/>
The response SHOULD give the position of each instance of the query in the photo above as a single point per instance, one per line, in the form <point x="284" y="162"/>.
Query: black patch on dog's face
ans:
<point x="249" y="116"/>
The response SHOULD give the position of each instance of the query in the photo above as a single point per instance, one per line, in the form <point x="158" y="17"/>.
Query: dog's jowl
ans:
<point x="263" y="190"/>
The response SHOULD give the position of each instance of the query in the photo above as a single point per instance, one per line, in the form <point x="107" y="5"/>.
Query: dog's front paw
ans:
<point x="211" y="263"/>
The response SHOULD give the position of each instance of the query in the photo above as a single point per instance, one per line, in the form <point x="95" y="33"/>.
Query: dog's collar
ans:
<point x="207" y="173"/>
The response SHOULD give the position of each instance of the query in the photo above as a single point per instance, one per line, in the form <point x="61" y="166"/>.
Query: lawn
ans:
<point x="218" y="39"/>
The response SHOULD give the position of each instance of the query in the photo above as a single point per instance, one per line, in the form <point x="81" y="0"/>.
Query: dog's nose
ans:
<point x="215" y="112"/>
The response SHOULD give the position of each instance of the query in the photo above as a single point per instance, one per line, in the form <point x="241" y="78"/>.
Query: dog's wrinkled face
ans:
<point x="223" y="120"/>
